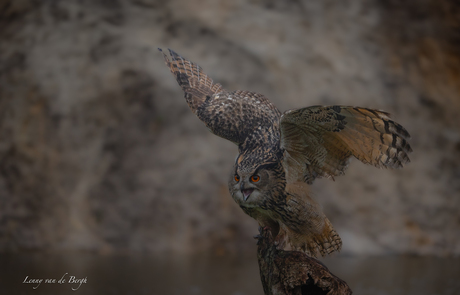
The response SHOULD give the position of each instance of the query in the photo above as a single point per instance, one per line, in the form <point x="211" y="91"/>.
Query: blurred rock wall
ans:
<point x="99" y="151"/>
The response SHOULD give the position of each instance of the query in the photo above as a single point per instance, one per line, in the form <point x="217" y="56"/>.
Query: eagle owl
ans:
<point x="279" y="154"/>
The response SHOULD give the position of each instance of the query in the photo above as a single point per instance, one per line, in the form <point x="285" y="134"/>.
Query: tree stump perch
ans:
<point x="293" y="272"/>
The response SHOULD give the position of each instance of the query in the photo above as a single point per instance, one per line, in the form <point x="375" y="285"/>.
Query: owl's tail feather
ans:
<point x="194" y="82"/>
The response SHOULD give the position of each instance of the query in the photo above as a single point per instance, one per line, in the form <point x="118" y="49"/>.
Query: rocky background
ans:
<point x="99" y="151"/>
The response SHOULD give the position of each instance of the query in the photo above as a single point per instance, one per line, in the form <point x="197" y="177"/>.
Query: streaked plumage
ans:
<point x="280" y="153"/>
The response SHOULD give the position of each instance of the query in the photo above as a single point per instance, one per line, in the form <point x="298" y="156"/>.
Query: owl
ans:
<point x="281" y="154"/>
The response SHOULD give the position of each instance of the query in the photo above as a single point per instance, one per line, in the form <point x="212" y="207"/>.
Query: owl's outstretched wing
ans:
<point x="237" y="116"/>
<point x="319" y="141"/>
<point x="191" y="78"/>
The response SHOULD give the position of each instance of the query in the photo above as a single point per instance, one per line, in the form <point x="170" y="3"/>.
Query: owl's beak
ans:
<point x="246" y="192"/>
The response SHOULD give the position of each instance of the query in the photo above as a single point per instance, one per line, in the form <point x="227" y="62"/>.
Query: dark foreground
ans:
<point x="147" y="274"/>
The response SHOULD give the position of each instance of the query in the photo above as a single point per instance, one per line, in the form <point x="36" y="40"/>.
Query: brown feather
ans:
<point x="194" y="82"/>
<point x="287" y="151"/>
<point x="319" y="140"/>
<point x="310" y="231"/>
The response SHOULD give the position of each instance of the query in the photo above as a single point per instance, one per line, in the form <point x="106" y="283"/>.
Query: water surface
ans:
<point x="148" y="274"/>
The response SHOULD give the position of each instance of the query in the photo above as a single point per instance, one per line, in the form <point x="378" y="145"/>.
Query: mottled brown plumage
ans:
<point x="280" y="153"/>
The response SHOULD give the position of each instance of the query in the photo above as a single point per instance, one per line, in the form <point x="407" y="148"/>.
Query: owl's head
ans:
<point x="253" y="186"/>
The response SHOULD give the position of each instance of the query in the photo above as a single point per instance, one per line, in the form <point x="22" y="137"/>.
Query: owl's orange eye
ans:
<point x="255" y="178"/>
<point x="237" y="178"/>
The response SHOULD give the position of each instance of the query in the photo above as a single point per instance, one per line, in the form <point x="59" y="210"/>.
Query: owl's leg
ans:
<point x="281" y="240"/>
<point x="259" y="236"/>
<point x="261" y="229"/>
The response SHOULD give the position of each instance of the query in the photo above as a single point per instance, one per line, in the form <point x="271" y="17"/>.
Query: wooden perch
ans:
<point x="293" y="272"/>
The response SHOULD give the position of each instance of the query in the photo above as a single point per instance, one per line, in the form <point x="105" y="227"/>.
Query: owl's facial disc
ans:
<point x="247" y="188"/>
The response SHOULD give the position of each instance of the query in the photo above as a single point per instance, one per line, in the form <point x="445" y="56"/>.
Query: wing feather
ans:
<point x="238" y="116"/>
<point x="319" y="141"/>
<point x="191" y="78"/>
<point x="304" y="226"/>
